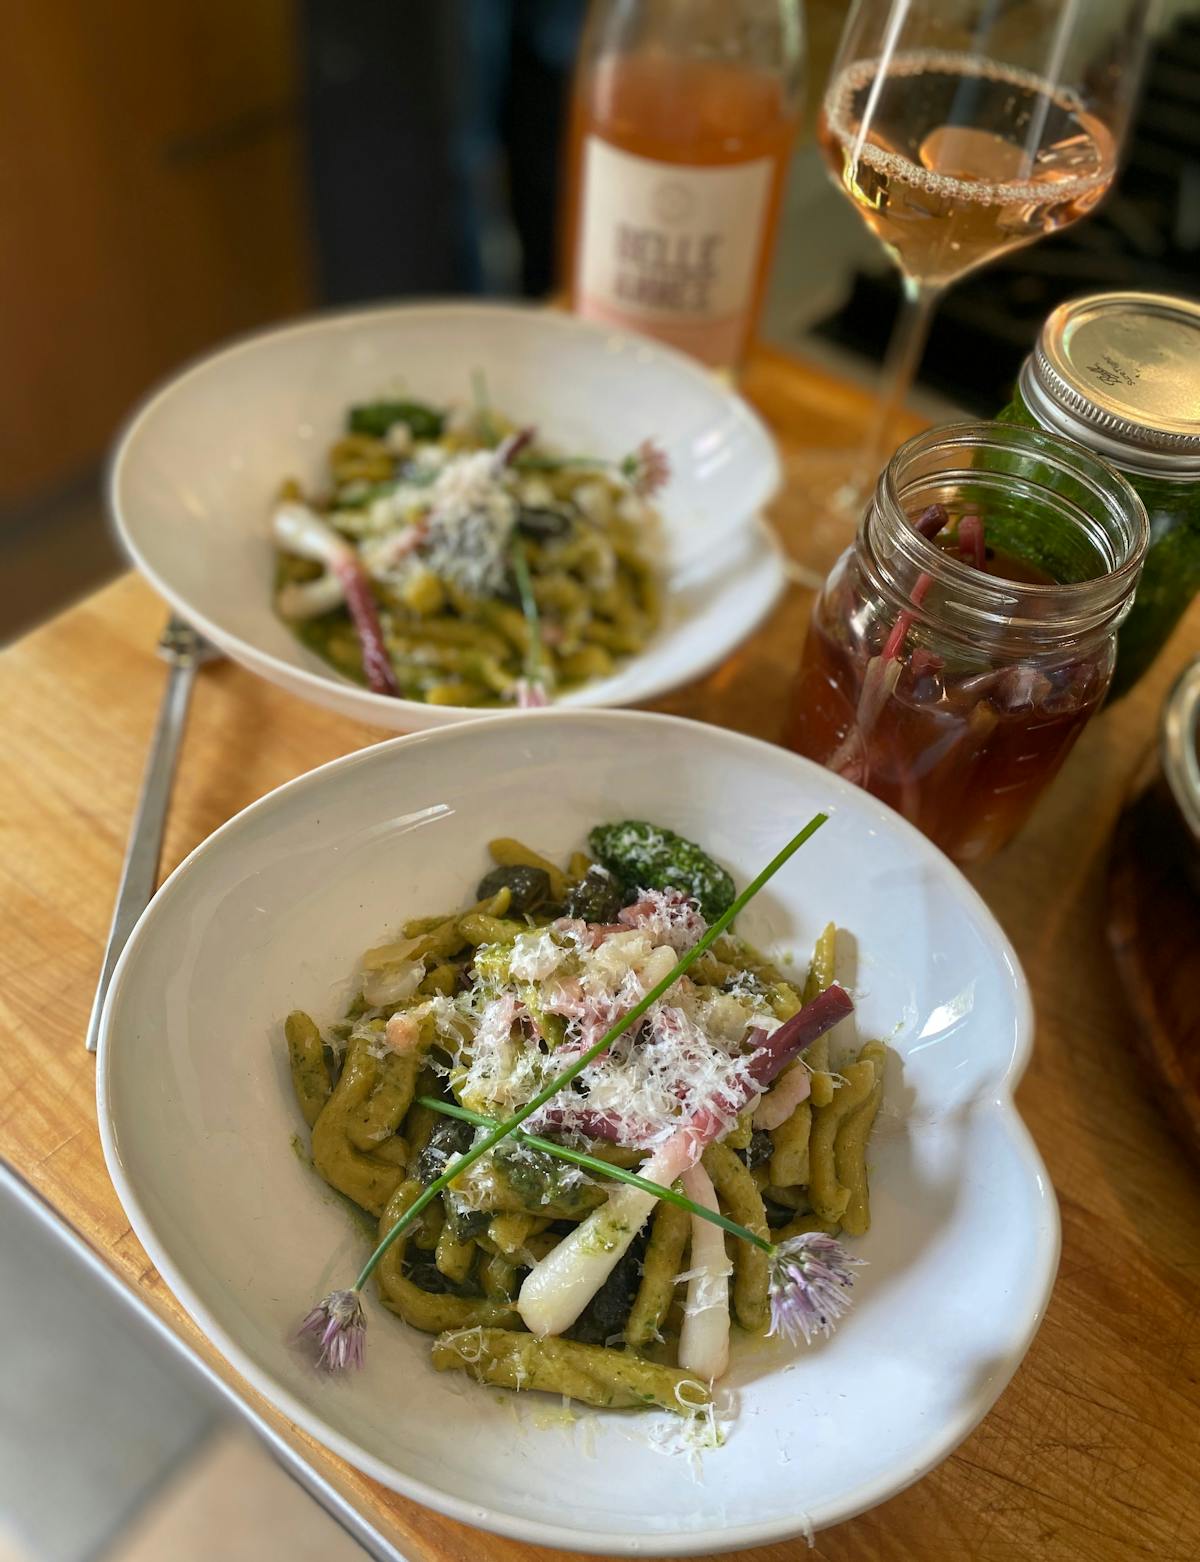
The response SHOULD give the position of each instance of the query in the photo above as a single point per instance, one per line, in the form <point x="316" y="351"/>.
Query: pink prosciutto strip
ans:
<point x="774" y="1053"/>
<point x="559" y="1287"/>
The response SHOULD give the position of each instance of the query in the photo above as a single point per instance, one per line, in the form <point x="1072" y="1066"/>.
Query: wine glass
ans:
<point x="961" y="129"/>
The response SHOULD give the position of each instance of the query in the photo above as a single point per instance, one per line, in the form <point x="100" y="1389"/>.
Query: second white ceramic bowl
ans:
<point x="196" y="471"/>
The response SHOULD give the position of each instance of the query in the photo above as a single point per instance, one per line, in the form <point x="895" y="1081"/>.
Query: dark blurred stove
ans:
<point x="1146" y="235"/>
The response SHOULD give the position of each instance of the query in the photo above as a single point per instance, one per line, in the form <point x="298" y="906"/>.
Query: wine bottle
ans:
<point x="683" y="117"/>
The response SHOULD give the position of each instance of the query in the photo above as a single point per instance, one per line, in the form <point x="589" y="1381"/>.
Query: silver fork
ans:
<point x="184" y="650"/>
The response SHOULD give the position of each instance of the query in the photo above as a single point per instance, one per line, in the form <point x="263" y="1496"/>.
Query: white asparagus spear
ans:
<point x="310" y="598"/>
<point x="300" y="530"/>
<point x="704" y="1338"/>
<point x="559" y="1287"/>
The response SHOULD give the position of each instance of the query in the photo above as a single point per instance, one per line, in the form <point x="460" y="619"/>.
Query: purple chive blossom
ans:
<point x="647" y="469"/>
<point x="810" y="1282"/>
<point x="339" y="1326"/>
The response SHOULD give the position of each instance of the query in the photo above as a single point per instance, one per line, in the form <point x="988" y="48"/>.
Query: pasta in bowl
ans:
<point x="195" y="482"/>
<point x="534" y="1271"/>
<point x="456" y="560"/>
<point x="271" y="916"/>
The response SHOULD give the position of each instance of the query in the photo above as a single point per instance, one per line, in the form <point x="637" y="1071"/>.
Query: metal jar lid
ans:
<point x="1120" y="373"/>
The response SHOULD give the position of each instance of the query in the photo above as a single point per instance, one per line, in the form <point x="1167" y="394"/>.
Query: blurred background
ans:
<point x="172" y="174"/>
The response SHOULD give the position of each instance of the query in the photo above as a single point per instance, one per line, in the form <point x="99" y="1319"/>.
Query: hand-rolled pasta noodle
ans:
<point x="661" y="1262"/>
<point x="803" y="1224"/>
<point x="453" y="1255"/>
<point x="820" y="976"/>
<point x="374" y="1123"/>
<point x="829" y="1195"/>
<point x="425" y="1309"/>
<point x="850" y="1146"/>
<point x="363" y="1175"/>
<point x="511" y="1230"/>
<point x="743" y="1202"/>
<point x="498" y="1276"/>
<point x="789" y="1155"/>
<point x="592" y="1374"/>
<point x="478" y="928"/>
<point x="306" y="1056"/>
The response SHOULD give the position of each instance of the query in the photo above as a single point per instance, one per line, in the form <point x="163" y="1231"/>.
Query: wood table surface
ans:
<point x="1093" y="1451"/>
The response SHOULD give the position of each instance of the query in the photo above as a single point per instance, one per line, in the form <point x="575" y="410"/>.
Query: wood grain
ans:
<point x="1093" y="1451"/>
<point x="1154" y="929"/>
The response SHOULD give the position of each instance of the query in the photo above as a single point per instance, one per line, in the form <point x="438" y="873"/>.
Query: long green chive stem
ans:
<point x="534" y="658"/>
<point x="593" y="1163"/>
<point x="510" y="1124"/>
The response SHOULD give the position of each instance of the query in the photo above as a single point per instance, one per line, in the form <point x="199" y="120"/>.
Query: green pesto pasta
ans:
<point x="820" y="976"/>
<point x="741" y="1199"/>
<point x="669" y="1232"/>
<point x="850" y="1145"/>
<point x="306" y="1057"/>
<point x="365" y="1176"/>
<point x="790" y="1148"/>
<point x="434" y="507"/>
<point x="429" y="1311"/>
<point x="829" y="1195"/>
<point x="468" y="1008"/>
<point x="613" y="1380"/>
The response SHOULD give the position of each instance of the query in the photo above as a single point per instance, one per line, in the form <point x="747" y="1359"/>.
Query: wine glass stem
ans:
<point x="905" y="349"/>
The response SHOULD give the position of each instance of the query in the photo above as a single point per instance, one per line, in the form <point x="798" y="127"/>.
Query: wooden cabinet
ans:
<point x="151" y="203"/>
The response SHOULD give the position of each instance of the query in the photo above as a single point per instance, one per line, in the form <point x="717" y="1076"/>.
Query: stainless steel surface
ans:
<point x="297" y="1467"/>
<point x="185" y="651"/>
<point x="1178" y="747"/>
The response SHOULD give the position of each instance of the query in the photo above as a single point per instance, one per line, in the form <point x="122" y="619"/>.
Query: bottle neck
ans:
<point x="1052" y="505"/>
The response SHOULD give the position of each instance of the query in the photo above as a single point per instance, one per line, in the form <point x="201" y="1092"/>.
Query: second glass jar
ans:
<point x="950" y="667"/>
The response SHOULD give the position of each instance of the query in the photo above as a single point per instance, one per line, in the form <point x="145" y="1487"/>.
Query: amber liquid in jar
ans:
<point x="962" y="753"/>
<point x="679" y="278"/>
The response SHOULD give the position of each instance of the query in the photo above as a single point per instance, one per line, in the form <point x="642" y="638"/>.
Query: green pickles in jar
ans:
<point x="1120" y="374"/>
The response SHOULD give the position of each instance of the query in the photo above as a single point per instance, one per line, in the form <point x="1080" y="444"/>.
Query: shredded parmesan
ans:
<point x="469" y="523"/>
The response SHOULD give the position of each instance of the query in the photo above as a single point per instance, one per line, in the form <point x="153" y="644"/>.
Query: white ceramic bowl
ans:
<point x="195" y="472"/>
<point x="271" y="913"/>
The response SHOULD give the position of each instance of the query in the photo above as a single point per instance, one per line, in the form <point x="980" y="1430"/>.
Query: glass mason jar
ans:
<point x="952" y="662"/>
<point x="1120" y="373"/>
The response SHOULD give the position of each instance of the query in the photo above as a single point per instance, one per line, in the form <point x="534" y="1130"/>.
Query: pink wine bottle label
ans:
<point x="669" y="249"/>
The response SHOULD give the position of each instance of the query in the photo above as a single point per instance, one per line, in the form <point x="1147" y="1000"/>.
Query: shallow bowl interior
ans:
<point x="272" y="912"/>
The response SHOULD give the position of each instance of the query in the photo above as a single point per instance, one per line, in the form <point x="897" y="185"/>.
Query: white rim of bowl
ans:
<point x="331" y="319"/>
<point x="868" y="1494"/>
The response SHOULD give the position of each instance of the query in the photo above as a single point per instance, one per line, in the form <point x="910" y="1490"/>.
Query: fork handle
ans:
<point x="139" y="875"/>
